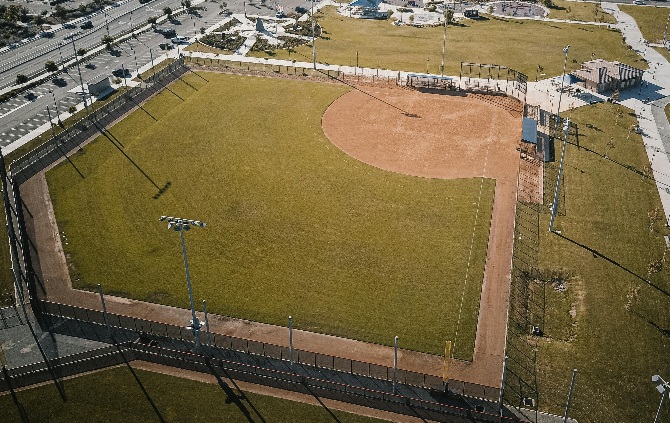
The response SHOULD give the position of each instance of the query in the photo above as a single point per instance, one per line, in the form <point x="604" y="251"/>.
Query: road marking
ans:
<point x="24" y="104"/>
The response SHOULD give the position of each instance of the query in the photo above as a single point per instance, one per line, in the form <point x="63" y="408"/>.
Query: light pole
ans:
<point x="560" y="93"/>
<point x="81" y="80"/>
<point x="180" y="225"/>
<point x="662" y="387"/>
<point x="444" y="41"/>
<point x="313" y="36"/>
<point x="395" y="364"/>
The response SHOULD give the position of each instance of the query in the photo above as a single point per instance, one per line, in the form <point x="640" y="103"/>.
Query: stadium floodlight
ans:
<point x="180" y="225"/>
<point x="313" y="35"/>
<point x="662" y="387"/>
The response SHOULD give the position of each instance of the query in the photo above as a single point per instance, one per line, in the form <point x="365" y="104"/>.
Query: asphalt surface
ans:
<point x="22" y="114"/>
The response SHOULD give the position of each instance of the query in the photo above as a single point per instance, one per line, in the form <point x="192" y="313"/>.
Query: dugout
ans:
<point x="430" y="81"/>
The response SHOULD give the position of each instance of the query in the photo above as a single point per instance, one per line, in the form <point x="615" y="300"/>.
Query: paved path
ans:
<point x="656" y="88"/>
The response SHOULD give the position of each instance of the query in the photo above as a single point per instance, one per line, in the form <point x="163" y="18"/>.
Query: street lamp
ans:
<point x="560" y="94"/>
<point x="180" y="225"/>
<point x="444" y="39"/>
<point x="313" y="35"/>
<point x="662" y="387"/>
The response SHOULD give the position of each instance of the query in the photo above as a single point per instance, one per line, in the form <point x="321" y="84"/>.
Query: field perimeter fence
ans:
<point x="239" y="359"/>
<point x="94" y="122"/>
<point x="286" y="71"/>
<point x="143" y="328"/>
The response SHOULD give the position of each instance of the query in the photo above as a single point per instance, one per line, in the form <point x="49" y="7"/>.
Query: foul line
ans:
<point x="472" y="242"/>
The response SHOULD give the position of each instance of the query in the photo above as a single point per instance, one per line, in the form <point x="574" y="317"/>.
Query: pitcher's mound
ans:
<point x="433" y="135"/>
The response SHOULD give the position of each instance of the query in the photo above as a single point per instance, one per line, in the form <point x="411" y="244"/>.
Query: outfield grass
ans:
<point x="115" y="395"/>
<point x="519" y="44"/>
<point x="295" y="226"/>
<point x="650" y="20"/>
<point x="579" y="11"/>
<point x="617" y="336"/>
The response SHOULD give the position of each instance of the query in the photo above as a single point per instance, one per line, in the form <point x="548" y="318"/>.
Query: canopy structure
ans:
<point x="368" y="4"/>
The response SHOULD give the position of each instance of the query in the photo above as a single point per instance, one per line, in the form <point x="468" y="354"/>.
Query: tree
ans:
<point x="60" y="12"/>
<point x="13" y="13"/>
<point x="108" y="41"/>
<point x="81" y="52"/>
<point x="71" y="109"/>
<point x="167" y="12"/>
<point x="38" y="20"/>
<point x="186" y="3"/>
<point x="82" y="9"/>
<point x="21" y="79"/>
<point x="50" y="66"/>
<point x="152" y="20"/>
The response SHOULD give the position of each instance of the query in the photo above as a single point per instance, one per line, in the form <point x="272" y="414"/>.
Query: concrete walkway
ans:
<point x="647" y="102"/>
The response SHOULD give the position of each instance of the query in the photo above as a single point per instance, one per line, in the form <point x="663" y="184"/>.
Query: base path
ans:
<point x="446" y="136"/>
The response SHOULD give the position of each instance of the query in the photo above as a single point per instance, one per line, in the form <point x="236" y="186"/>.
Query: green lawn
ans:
<point x="651" y="20"/>
<point x="617" y="334"/>
<point x="664" y="52"/>
<point x="295" y="226"/>
<point x="519" y="44"/>
<point x="116" y="395"/>
<point x="579" y="11"/>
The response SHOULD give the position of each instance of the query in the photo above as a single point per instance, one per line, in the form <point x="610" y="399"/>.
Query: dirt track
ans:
<point x="452" y="137"/>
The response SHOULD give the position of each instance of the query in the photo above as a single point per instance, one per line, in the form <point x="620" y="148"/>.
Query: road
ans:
<point x="23" y="114"/>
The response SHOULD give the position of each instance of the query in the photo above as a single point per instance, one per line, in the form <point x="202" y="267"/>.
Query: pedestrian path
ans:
<point x="643" y="101"/>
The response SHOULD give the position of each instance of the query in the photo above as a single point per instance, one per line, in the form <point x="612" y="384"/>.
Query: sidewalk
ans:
<point x="656" y="88"/>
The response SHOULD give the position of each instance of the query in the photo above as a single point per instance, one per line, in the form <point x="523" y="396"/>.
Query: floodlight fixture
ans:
<point x="662" y="386"/>
<point x="180" y="225"/>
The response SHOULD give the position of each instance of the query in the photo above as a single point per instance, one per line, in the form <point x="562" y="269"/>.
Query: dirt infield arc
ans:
<point x="445" y="136"/>
<point x="459" y="137"/>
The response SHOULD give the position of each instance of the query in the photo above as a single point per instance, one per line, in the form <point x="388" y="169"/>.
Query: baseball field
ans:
<point x="303" y="219"/>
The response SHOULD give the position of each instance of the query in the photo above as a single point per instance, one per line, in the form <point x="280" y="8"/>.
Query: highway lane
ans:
<point x="29" y="58"/>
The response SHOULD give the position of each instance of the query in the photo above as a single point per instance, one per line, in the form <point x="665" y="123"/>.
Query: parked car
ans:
<point x="638" y="2"/>
<point x="165" y="46"/>
<point x="121" y="72"/>
<point x="68" y="25"/>
<point x="179" y="39"/>
<point x="87" y="25"/>
<point x="167" y="32"/>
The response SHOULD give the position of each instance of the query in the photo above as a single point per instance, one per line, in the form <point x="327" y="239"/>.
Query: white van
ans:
<point x="179" y="39"/>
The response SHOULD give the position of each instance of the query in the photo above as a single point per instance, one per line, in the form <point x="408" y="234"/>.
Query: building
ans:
<point x="601" y="76"/>
<point x="366" y="9"/>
